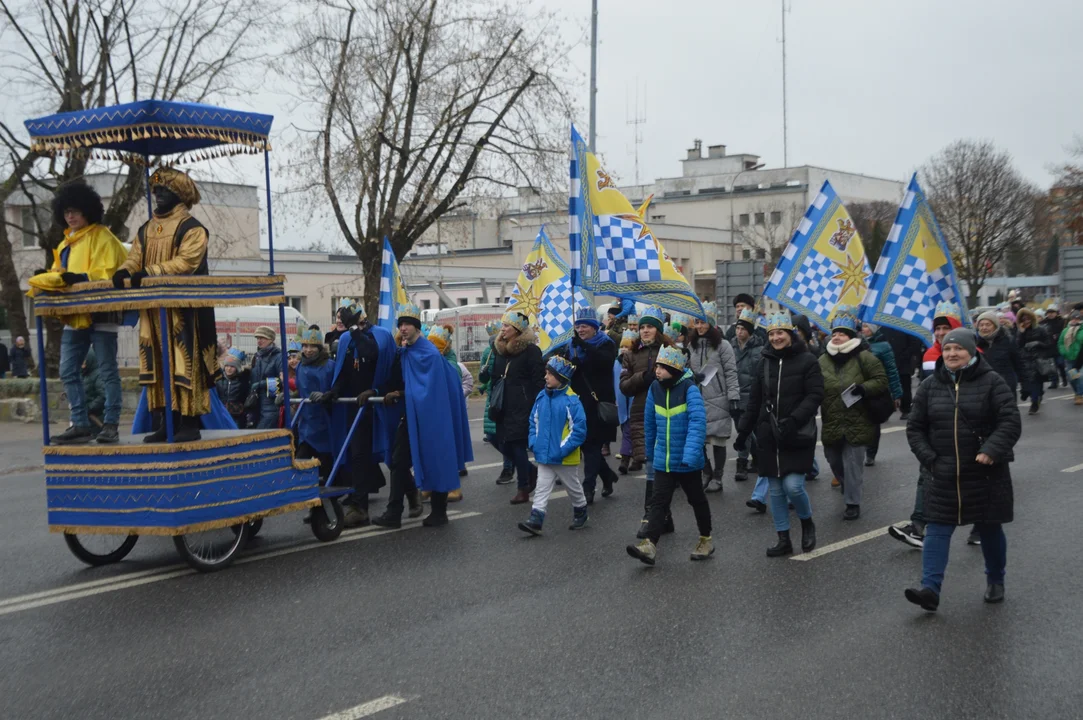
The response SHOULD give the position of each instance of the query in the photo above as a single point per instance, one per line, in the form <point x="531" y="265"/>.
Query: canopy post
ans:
<point x="285" y="365"/>
<point x="270" y="225"/>
<point x="43" y="390"/>
<point x="167" y="373"/>
<point x="146" y="182"/>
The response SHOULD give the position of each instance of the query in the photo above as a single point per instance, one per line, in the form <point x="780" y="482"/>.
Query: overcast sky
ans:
<point x="874" y="86"/>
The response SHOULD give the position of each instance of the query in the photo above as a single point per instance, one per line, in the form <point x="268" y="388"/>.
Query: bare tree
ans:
<point x="771" y="225"/>
<point x="61" y="56"/>
<point x="983" y="205"/>
<point x="420" y="100"/>
<point x="1066" y="198"/>
<point x="873" y="221"/>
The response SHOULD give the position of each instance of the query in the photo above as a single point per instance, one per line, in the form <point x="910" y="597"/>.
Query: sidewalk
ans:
<point x="20" y="446"/>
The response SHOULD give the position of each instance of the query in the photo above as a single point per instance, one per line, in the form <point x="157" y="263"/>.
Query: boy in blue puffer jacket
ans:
<point x="558" y="426"/>
<point x="675" y="424"/>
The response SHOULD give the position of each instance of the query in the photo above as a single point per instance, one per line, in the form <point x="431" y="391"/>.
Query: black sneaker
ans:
<point x="907" y="534"/>
<point x="870" y="460"/>
<point x="1034" y="408"/>
<point x="924" y="598"/>
<point x="756" y="505"/>
<point x="75" y="435"/>
<point x="388" y="521"/>
<point x="904" y="416"/>
<point x="974" y="538"/>
<point x="994" y="593"/>
<point x="108" y="434"/>
<point x="507" y="477"/>
<point x="853" y="512"/>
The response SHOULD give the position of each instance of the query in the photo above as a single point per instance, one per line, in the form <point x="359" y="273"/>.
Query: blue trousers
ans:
<point x="74" y="346"/>
<point x="786" y="490"/>
<point x="934" y="554"/>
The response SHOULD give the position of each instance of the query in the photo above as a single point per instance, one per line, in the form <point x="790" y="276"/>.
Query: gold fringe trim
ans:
<point x="127" y="511"/>
<point x="185" y="529"/>
<point x="306" y="464"/>
<point x="176" y="486"/>
<point x="60" y="471"/>
<point x="147" y="305"/>
<point x="167" y="281"/>
<point x="164" y="448"/>
<point x="101" y="296"/>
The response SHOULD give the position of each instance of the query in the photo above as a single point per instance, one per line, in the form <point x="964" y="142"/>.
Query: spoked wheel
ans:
<point x="327" y="528"/>
<point x="100" y="550"/>
<point x="212" y="550"/>
<point x="253" y="527"/>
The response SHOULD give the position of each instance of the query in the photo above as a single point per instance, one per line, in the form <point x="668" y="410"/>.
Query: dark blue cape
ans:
<point x="217" y="419"/>
<point x="314" y="426"/>
<point x="435" y="416"/>
<point x="386" y="420"/>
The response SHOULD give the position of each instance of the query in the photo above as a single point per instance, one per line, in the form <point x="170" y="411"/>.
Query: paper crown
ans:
<point x="747" y="317"/>
<point x="680" y="321"/>
<point x="493" y="327"/>
<point x="845" y="318"/>
<point x="237" y="353"/>
<point x="672" y="357"/>
<point x="293" y="347"/>
<point x="633" y="319"/>
<point x="409" y="310"/>
<point x="586" y="314"/>
<point x="310" y="336"/>
<point x="516" y="320"/>
<point x="948" y="310"/>
<point x="440" y="332"/>
<point x="779" y="321"/>
<point x="560" y="367"/>
<point x="629" y="336"/>
<point x="710" y="312"/>
<point x="653" y="316"/>
<point x="352" y="307"/>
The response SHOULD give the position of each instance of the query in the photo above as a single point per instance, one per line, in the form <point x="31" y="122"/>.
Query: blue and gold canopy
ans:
<point x="152" y="127"/>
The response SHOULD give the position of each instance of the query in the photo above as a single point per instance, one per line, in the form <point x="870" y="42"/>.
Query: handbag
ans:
<point x="496" y="396"/>
<point x="805" y="435"/>
<point x="1046" y="367"/>
<point x="607" y="411"/>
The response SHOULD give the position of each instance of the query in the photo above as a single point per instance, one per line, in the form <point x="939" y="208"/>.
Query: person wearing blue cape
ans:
<point x="362" y="369"/>
<point x="433" y="436"/>
<point x="314" y="376"/>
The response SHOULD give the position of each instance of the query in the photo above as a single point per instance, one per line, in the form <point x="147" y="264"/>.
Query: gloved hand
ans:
<point x="119" y="277"/>
<point x="71" y="278"/>
<point x="741" y="443"/>
<point x="279" y="400"/>
<point x="137" y="277"/>
<point x="698" y="377"/>
<point x="859" y="390"/>
<point x="392" y="397"/>
<point x="363" y="398"/>
<point x="40" y="271"/>
<point x="735" y="407"/>
<point x="252" y="402"/>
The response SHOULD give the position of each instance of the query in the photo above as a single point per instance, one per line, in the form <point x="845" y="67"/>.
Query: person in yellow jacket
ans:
<point x="88" y="252"/>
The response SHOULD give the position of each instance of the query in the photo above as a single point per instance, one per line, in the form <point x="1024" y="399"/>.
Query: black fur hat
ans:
<point x="80" y="196"/>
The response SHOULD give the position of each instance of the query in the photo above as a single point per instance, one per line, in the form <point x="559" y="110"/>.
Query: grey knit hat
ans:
<point x="991" y="316"/>
<point x="964" y="338"/>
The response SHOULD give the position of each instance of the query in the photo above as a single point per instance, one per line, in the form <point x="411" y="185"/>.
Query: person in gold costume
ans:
<point x="173" y="242"/>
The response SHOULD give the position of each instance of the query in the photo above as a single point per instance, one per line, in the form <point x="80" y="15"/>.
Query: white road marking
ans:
<point x="841" y="545"/>
<point x="123" y="582"/>
<point x="366" y="709"/>
<point x="1074" y="468"/>
<point x="1047" y="399"/>
<point x="485" y="466"/>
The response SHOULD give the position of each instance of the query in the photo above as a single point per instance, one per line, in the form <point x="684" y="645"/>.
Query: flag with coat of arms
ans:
<point x="915" y="272"/>
<point x="392" y="290"/>
<point x="613" y="251"/>
<point x="824" y="265"/>
<point x="543" y="293"/>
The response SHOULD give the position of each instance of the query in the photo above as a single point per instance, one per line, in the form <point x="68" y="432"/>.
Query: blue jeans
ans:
<point x="515" y="451"/>
<point x="759" y="492"/>
<point x="1077" y="385"/>
<point x="74" y="345"/>
<point x="790" y="489"/>
<point x="934" y="555"/>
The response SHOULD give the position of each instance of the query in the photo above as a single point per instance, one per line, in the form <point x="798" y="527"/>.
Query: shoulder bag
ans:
<point x="607" y="411"/>
<point x="496" y="396"/>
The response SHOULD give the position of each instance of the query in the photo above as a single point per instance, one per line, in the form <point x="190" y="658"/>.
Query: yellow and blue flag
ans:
<point x="824" y="265"/>
<point x="915" y="271"/>
<point x="543" y="293"/>
<point x="613" y="251"/>
<point x="392" y="290"/>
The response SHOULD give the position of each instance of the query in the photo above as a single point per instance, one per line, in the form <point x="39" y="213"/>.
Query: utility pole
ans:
<point x="785" y="138"/>
<point x="593" y="72"/>
<point x="635" y="121"/>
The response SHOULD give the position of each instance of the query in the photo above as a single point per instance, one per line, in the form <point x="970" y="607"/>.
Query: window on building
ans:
<point x="746" y="254"/>
<point x="776" y="217"/>
<point x="464" y="302"/>
<point x="761" y="254"/>
<point x="30" y="228"/>
<point x="744" y="220"/>
<point x="479" y="301"/>
<point x="658" y="218"/>
<point x="426" y="304"/>
<point x="297" y="303"/>
<point x="759" y="218"/>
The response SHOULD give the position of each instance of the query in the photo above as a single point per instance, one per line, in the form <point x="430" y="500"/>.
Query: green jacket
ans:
<point x="1070" y="352"/>
<point x="485" y="380"/>
<point x="860" y="367"/>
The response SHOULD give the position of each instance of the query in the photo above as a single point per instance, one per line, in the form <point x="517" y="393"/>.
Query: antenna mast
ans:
<point x="635" y="121"/>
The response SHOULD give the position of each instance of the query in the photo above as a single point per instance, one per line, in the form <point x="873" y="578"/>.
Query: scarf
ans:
<point x="318" y="359"/>
<point x="846" y="348"/>
<point x="1069" y="335"/>
<point x="595" y="342"/>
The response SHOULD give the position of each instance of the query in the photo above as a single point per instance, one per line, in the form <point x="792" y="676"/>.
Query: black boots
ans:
<point x="808" y="534"/>
<point x="924" y="598"/>
<point x="783" y="547"/>
<point x="853" y="512"/>
<point x="742" y="470"/>
<point x="994" y="593"/>
<point x="158" y="423"/>
<point x="185" y="429"/>
<point x="438" y="515"/>
<point x="188" y="431"/>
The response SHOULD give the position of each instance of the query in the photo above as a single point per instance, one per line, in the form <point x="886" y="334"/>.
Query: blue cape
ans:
<point x="314" y="426"/>
<point x="436" y="417"/>
<point x="217" y="419"/>
<point x="386" y="420"/>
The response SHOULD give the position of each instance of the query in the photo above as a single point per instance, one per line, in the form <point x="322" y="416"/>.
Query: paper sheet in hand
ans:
<point x="848" y="397"/>
<point x="709" y="375"/>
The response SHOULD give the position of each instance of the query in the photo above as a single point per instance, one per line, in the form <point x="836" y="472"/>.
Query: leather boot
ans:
<point x="523" y="496"/>
<point x="438" y="516"/>
<point x="648" y="493"/>
<point x="742" y="470"/>
<point x="413" y="499"/>
<point x="189" y="430"/>
<point x="783" y="547"/>
<point x="158" y="423"/>
<point x="808" y="534"/>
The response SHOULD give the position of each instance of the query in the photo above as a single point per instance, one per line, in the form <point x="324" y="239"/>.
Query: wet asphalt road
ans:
<point x="476" y="621"/>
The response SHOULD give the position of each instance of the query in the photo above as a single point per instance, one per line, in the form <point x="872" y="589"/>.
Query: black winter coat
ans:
<point x="795" y="387"/>
<point x="908" y="350"/>
<point x="749" y="365"/>
<point x="233" y="392"/>
<point x="266" y="365"/>
<point x="519" y="362"/>
<point x="1041" y="348"/>
<point x="4" y="365"/>
<point x="594" y="367"/>
<point x="950" y="425"/>
<point x="1002" y="354"/>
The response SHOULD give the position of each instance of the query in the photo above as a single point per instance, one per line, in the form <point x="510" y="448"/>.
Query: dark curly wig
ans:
<point x="80" y="196"/>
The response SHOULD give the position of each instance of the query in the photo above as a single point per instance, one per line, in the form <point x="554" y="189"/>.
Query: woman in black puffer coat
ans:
<point x="1034" y="345"/>
<point x="790" y="386"/>
<point x="519" y="362"/>
<point x="963" y="428"/>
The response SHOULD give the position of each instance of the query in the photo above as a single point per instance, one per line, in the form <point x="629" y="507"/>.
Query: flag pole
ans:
<point x="593" y="72"/>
